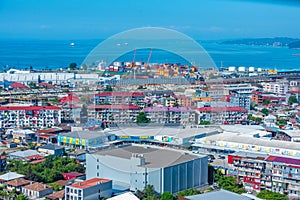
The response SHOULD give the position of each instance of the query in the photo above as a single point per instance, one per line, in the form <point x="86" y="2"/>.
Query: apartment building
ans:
<point x="114" y="114"/>
<point x="222" y="115"/>
<point x="277" y="87"/>
<point x="263" y="172"/>
<point x="29" y="116"/>
<point x="111" y="98"/>
<point x="92" y="189"/>
<point x="171" y="115"/>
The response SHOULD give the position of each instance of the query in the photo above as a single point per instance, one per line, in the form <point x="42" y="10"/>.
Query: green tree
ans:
<point x="72" y="66"/>
<point x="108" y="88"/>
<point x="148" y="191"/>
<point x="22" y="197"/>
<point x="205" y="123"/>
<point x="266" y="102"/>
<point x="265" y="111"/>
<point x="166" y="196"/>
<point x="142" y="118"/>
<point x="268" y="195"/>
<point x="292" y="99"/>
<point x="188" y="192"/>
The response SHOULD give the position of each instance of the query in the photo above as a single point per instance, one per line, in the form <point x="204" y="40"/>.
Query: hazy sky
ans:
<point x="94" y="19"/>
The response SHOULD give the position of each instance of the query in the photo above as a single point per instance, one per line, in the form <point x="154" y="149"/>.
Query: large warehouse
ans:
<point x="136" y="166"/>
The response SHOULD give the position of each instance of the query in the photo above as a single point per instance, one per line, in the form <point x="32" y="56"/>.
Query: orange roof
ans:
<point x="37" y="187"/>
<point x="17" y="182"/>
<point x="89" y="183"/>
<point x="56" y="195"/>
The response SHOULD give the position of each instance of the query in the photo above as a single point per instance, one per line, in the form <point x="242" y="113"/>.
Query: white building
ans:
<point x="29" y="116"/>
<point x="95" y="188"/>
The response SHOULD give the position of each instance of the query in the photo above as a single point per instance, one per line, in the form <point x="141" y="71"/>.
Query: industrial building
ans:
<point x="134" y="166"/>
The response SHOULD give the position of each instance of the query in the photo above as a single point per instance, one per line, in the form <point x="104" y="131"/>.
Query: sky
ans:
<point x="200" y="19"/>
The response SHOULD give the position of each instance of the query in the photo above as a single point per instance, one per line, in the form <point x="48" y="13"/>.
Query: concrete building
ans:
<point x="85" y="139"/>
<point x="29" y="116"/>
<point x="132" y="98"/>
<point x="170" y="115"/>
<point x="282" y="87"/>
<point x="36" y="190"/>
<point x="16" y="184"/>
<point x="95" y="188"/>
<point x="52" y="150"/>
<point x="241" y="100"/>
<point x="136" y="166"/>
<point x="114" y="114"/>
<point x="263" y="172"/>
<point x="222" y="115"/>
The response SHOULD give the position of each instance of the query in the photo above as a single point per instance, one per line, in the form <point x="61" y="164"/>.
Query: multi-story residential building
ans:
<point x="29" y="116"/>
<point x="263" y="172"/>
<point x="95" y="188"/>
<point x="114" y="114"/>
<point x="258" y="97"/>
<point x="241" y="100"/>
<point x="2" y="163"/>
<point x="114" y="98"/>
<point x="184" y="101"/>
<point x="70" y="108"/>
<point x="170" y="115"/>
<point x="169" y="101"/>
<point x="222" y="115"/>
<point x="277" y="87"/>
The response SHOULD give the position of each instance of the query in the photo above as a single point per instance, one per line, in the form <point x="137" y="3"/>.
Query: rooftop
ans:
<point x="155" y="157"/>
<point x="24" y="154"/>
<point x="120" y="94"/>
<point x="127" y="196"/>
<point x="10" y="176"/>
<point x="84" y="134"/>
<point x="77" y="174"/>
<point x="222" y="109"/>
<point x="176" y="131"/>
<point x="4" y="108"/>
<point x="117" y="106"/>
<point x="17" y="182"/>
<point x="56" y="195"/>
<point x="37" y="187"/>
<point x="51" y="147"/>
<point x="220" y="194"/>
<point x="285" y="160"/>
<point x="168" y="109"/>
<point x="89" y="183"/>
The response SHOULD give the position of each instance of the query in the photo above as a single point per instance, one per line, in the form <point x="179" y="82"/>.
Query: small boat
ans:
<point x="72" y="44"/>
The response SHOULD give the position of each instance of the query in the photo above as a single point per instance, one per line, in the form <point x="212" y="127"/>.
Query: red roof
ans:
<point x="117" y="106"/>
<point x="221" y="109"/>
<point x="29" y="108"/>
<point x="18" y="85"/>
<point x="89" y="183"/>
<point x="45" y="85"/>
<point x="284" y="160"/>
<point x="69" y="98"/>
<point x="120" y="94"/>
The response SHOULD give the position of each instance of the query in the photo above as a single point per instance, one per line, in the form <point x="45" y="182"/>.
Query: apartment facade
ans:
<point x="114" y="114"/>
<point x="222" y="115"/>
<point x="170" y="115"/>
<point x="111" y="98"/>
<point x="264" y="172"/>
<point x="29" y="116"/>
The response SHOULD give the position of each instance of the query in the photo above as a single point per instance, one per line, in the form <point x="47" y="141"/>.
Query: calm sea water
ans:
<point x="59" y="54"/>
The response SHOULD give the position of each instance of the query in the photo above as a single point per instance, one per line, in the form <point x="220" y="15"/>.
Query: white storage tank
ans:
<point x="242" y="69"/>
<point x="251" y="69"/>
<point x="231" y="69"/>
<point x="259" y="69"/>
<point x="138" y="63"/>
<point x="117" y="64"/>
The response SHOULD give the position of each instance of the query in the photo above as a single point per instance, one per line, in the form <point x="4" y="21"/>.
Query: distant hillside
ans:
<point x="277" y="41"/>
<point x="294" y="45"/>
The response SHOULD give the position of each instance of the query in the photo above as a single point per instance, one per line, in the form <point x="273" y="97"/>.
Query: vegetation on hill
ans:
<point x="268" y="195"/>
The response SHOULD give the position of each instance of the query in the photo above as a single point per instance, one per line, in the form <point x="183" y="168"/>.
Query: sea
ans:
<point x="57" y="54"/>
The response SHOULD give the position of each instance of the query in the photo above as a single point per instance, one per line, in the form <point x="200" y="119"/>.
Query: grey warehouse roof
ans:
<point x="85" y="134"/>
<point x="220" y="194"/>
<point x="154" y="157"/>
